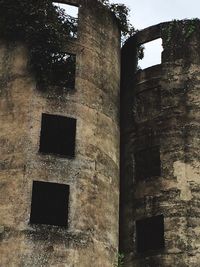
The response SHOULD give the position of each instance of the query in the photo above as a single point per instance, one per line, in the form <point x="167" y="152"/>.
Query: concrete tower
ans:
<point x="59" y="199"/>
<point x="160" y="184"/>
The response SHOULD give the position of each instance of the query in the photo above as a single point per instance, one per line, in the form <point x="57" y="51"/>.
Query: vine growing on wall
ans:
<point x="188" y="27"/>
<point x="122" y="13"/>
<point x="43" y="27"/>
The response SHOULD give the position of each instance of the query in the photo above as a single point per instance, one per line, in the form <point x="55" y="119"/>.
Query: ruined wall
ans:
<point x="160" y="149"/>
<point x="91" y="238"/>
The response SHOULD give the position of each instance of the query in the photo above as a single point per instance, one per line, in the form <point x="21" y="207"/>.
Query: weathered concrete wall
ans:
<point x="160" y="107"/>
<point x="93" y="175"/>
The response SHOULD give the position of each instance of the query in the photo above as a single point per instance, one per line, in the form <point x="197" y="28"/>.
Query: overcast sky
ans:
<point x="145" y="13"/>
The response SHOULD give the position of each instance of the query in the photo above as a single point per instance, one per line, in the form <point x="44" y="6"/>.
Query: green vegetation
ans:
<point x="121" y="12"/>
<point x="119" y="260"/>
<point x="188" y="28"/>
<point x="44" y="27"/>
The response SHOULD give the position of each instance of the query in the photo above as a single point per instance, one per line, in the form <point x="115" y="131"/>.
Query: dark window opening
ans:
<point x="49" y="204"/>
<point x="63" y="70"/>
<point x="150" y="234"/>
<point x="147" y="163"/>
<point x="69" y="15"/>
<point x="147" y="104"/>
<point x="58" y="135"/>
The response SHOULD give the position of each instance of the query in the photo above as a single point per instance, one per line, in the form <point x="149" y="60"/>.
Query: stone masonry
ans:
<point x="159" y="131"/>
<point x="91" y="238"/>
<point x="147" y="134"/>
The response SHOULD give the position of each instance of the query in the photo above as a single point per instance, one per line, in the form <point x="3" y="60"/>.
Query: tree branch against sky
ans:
<point x="145" y="13"/>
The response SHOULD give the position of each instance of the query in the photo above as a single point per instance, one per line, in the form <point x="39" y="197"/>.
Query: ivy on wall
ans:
<point x="44" y="28"/>
<point x="180" y="29"/>
<point x="121" y="12"/>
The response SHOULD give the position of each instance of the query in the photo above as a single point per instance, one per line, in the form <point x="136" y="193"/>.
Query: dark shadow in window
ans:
<point x="49" y="204"/>
<point x="58" y="135"/>
<point x="147" y="163"/>
<point x="150" y="234"/>
<point x="63" y="70"/>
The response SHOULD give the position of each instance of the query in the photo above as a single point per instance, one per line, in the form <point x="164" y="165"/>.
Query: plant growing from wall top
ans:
<point x="180" y="29"/>
<point x="41" y="26"/>
<point x="44" y="27"/>
<point x="121" y="12"/>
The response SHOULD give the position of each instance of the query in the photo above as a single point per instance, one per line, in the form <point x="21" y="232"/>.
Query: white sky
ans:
<point x="145" y="13"/>
<point x="70" y="10"/>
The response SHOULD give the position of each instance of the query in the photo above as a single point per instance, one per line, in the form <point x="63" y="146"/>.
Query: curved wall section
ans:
<point x="87" y="177"/>
<point x="160" y="150"/>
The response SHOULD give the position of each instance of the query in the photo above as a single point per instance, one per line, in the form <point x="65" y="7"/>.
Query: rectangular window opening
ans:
<point x="147" y="104"/>
<point x="58" y="135"/>
<point x="147" y="163"/>
<point x="69" y="14"/>
<point x="152" y="54"/>
<point x="63" y="70"/>
<point x="49" y="204"/>
<point x="150" y="234"/>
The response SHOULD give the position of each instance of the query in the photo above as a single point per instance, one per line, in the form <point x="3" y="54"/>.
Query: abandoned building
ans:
<point x="111" y="164"/>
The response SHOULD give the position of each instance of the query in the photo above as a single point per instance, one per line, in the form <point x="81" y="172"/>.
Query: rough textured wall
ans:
<point x="93" y="175"/>
<point x="160" y="108"/>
